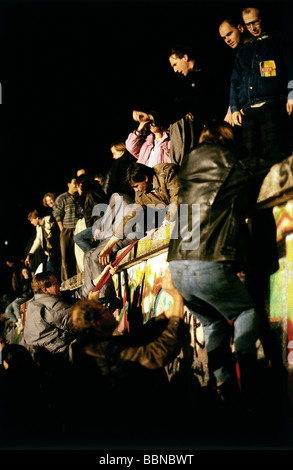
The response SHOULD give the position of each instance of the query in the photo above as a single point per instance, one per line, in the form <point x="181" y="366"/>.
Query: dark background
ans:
<point x="71" y="72"/>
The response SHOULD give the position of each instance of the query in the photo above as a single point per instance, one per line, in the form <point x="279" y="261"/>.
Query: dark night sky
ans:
<point x="70" y="73"/>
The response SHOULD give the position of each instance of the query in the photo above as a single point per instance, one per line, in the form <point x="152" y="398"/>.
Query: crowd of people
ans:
<point x="180" y="157"/>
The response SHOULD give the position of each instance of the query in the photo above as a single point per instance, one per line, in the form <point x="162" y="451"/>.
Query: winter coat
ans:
<point x="47" y="323"/>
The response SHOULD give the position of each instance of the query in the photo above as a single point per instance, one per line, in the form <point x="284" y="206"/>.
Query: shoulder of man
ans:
<point x="49" y="301"/>
<point x="61" y="197"/>
<point x="165" y="168"/>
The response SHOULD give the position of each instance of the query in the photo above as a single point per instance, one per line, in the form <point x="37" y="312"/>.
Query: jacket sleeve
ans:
<point x="58" y="209"/>
<point x="133" y="144"/>
<point x="235" y="84"/>
<point x="37" y="241"/>
<point x="159" y="352"/>
<point x="172" y="188"/>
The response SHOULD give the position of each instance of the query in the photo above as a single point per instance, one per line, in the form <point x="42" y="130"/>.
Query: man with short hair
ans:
<point x="157" y="186"/>
<point x="48" y="314"/>
<point x="252" y="21"/>
<point x="65" y="211"/>
<point x="192" y="106"/>
<point x="260" y="103"/>
<point x="187" y="106"/>
<point x="259" y="100"/>
<point x="47" y="317"/>
<point x="233" y="33"/>
<point x="155" y="190"/>
<point x="108" y="364"/>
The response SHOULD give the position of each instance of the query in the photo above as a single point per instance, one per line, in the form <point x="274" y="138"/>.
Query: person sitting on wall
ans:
<point x="153" y="187"/>
<point x="47" y="324"/>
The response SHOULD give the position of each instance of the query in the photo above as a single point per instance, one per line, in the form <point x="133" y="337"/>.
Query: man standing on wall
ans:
<point x="65" y="211"/>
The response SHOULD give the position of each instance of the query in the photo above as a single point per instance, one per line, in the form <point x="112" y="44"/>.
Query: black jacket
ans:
<point x="121" y="382"/>
<point x="94" y="195"/>
<point x="222" y="184"/>
<point x="115" y="181"/>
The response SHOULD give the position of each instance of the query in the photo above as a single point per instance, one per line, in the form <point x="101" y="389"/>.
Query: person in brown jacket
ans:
<point x="156" y="189"/>
<point x="123" y="376"/>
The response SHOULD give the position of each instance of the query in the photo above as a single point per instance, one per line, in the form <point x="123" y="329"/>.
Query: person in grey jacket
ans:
<point x="48" y="316"/>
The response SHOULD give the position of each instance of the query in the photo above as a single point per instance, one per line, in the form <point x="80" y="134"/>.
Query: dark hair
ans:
<point x="137" y="172"/>
<point x="232" y="21"/>
<point x="219" y="132"/>
<point x="69" y="178"/>
<point x="81" y="179"/>
<point x="181" y="49"/>
<point x="22" y="267"/>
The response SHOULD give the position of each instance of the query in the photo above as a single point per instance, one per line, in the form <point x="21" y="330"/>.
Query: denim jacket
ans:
<point x="262" y="70"/>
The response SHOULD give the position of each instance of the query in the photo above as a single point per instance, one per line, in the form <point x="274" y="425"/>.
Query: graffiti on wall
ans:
<point x="281" y="282"/>
<point x="278" y="181"/>
<point x="284" y="219"/>
<point x="139" y="286"/>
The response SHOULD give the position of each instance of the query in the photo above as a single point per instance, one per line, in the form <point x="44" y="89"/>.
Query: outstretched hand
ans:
<point x="167" y="284"/>
<point x="104" y="256"/>
<point x="177" y="307"/>
<point x="94" y="295"/>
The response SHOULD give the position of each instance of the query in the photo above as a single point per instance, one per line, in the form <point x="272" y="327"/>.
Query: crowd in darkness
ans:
<point x="75" y="371"/>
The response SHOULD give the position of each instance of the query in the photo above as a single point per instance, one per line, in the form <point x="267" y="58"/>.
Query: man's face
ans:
<point x="183" y="65"/>
<point x="252" y="22"/>
<point x="72" y="186"/>
<point x="142" y="186"/>
<point x="231" y="35"/>
<point x="54" y="288"/>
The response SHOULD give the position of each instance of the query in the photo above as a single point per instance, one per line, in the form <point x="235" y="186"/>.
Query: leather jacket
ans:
<point x="153" y="346"/>
<point x="216" y="183"/>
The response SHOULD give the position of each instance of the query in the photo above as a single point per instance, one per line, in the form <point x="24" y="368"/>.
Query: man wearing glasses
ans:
<point x="259" y="98"/>
<point x="262" y="72"/>
<point x="252" y="21"/>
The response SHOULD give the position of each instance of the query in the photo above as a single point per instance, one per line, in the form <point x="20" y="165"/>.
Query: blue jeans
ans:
<point x="216" y="296"/>
<point x="13" y="309"/>
<point x="84" y="238"/>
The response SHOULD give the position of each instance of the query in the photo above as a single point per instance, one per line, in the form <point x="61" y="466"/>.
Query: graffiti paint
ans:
<point x="284" y="219"/>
